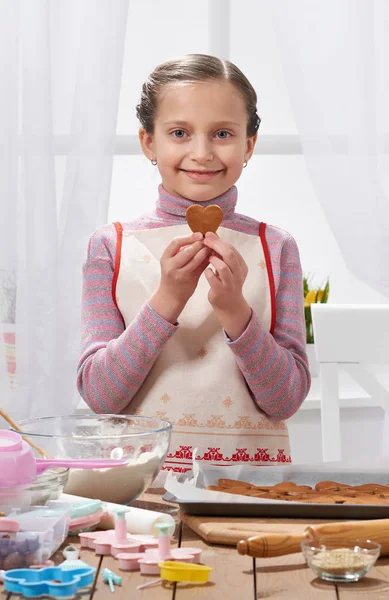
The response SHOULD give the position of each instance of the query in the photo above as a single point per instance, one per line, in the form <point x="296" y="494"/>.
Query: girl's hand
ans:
<point x="182" y="264"/>
<point x="226" y="295"/>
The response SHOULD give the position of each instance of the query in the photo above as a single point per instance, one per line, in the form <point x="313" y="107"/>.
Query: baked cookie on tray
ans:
<point x="324" y="492"/>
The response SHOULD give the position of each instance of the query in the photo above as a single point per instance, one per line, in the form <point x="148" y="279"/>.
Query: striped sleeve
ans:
<point x="276" y="366"/>
<point x="114" y="360"/>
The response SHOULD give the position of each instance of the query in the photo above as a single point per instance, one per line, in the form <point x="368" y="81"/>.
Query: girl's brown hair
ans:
<point x="195" y="68"/>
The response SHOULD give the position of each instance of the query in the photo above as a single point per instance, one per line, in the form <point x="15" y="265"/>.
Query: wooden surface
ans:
<point x="234" y="577"/>
<point x="229" y="531"/>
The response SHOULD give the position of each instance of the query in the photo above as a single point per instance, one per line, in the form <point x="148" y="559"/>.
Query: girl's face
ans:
<point x="199" y="140"/>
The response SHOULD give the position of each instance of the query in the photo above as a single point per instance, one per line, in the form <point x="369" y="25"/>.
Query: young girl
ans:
<point x="205" y="331"/>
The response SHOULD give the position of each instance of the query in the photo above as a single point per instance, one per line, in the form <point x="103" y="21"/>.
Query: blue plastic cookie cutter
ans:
<point x="49" y="581"/>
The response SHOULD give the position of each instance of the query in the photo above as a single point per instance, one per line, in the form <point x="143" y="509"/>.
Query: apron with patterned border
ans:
<point x="195" y="383"/>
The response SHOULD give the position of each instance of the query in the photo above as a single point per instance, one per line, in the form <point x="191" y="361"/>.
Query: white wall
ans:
<point x="362" y="431"/>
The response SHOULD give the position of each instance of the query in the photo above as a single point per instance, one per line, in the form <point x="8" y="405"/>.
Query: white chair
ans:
<point x="353" y="336"/>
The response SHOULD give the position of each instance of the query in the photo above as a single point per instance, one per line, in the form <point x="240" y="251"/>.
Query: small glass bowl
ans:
<point x="338" y="560"/>
<point x="46" y="487"/>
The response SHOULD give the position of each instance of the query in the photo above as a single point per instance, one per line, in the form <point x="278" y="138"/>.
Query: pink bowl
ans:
<point x="17" y="461"/>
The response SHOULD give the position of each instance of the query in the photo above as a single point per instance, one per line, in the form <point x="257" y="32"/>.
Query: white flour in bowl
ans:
<point x="120" y="484"/>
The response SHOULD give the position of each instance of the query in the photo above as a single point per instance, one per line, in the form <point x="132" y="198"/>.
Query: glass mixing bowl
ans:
<point x="142" y="441"/>
<point x="47" y="486"/>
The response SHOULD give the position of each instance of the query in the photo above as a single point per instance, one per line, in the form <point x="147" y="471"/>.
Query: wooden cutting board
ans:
<point x="229" y="531"/>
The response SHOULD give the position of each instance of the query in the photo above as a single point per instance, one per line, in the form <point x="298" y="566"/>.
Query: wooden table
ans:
<point x="233" y="576"/>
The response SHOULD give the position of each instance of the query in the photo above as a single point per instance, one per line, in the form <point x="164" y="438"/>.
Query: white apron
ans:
<point x="195" y="382"/>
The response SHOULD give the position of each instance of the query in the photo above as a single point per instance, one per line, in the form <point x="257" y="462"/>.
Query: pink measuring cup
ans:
<point x="18" y="465"/>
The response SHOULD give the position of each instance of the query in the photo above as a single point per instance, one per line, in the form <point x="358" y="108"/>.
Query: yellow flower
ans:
<point x="312" y="296"/>
<point x="309" y="298"/>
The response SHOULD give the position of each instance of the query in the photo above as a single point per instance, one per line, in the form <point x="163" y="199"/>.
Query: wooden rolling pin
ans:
<point x="279" y="544"/>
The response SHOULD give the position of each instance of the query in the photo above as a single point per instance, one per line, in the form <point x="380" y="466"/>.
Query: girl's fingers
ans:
<point x="184" y="256"/>
<point x="223" y="270"/>
<point x="196" y="261"/>
<point x="241" y="260"/>
<point x="213" y="279"/>
<point x="173" y="247"/>
<point x="225" y="250"/>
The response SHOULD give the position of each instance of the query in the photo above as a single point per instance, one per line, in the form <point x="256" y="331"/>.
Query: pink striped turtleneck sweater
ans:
<point x="115" y="360"/>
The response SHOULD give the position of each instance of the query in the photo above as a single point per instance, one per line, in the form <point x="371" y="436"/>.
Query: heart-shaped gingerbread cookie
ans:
<point x="204" y="219"/>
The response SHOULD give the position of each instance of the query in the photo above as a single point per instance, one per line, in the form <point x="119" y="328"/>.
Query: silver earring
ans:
<point x="245" y="164"/>
<point x="154" y="162"/>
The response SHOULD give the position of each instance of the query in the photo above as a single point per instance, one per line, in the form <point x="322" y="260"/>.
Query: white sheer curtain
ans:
<point x="60" y="68"/>
<point x="336" y="62"/>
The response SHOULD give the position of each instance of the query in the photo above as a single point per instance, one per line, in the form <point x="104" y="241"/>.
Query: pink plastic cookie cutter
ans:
<point x="117" y="540"/>
<point x="135" y="552"/>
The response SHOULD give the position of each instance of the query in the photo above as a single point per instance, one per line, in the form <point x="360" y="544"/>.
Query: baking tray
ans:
<point x="293" y="511"/>
<point x="193" y="499"/>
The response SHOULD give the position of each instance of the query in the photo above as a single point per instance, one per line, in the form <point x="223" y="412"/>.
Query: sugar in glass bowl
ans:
<point x="142" y="441"/>
<point x="338" y="560"/>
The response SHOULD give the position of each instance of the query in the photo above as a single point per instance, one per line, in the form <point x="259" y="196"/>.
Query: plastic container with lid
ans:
<point x="84" y="515"/>
<point x="36" y="534"/>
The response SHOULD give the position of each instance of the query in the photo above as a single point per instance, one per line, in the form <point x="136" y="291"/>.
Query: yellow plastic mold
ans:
<point x="179" y="571"/>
